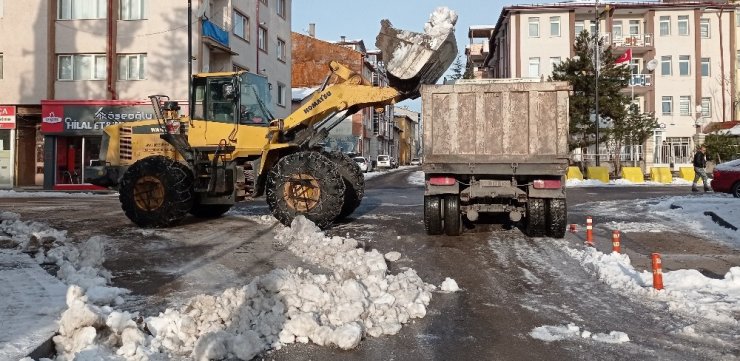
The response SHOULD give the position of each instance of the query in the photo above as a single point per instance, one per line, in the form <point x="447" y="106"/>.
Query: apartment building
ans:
<point x="684" y="60"/>
<point x="477" y="50"/>
<point x="70" y="67"/>
<point x="368" y="132"/>
<point x="411" y="132"/>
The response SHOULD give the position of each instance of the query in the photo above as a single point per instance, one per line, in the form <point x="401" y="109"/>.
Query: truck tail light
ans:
<point x="546" y="184"/>
<point x="442" y="181"/>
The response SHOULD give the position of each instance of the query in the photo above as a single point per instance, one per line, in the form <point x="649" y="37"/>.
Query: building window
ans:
<point x="593" y="27"/>
<point x="132" y="67"/>
<point x="132" y="9"/>
<point x="264" y="1"/>
<point x="634" y="27"/>
<point x="554" y="26"/>
<point x="281" y="8"/>
<point x="704" y="28"/>
<point x="665" y="25"/>
<point x="534" y="67"/>
<point x="262" y="39"/>
<point x="1" y="64"/>
<point x="82" y="9"/>
<point x="554" y="60"/>
<point x="241" y="25"/>
<point x="706" y="107"/>
<point x="280" y="49"/>
<point x="281" y="94"/>
<point x="683" y="25"/>
<point x="81" y="67"/>
<point x="737" y="60"/>
<point x="684" y="105"/>
<point x="534" y="27"/>
<point x="579" y="27"/>
<point x="684" y="65"/>
<point x="617" y="29"/>
<point x="705" y="66"/>
<point x="665" y="65"/>
<point x="667" y="105"/>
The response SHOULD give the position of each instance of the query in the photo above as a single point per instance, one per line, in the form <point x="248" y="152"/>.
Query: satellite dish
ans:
<point x="652" y="64"/>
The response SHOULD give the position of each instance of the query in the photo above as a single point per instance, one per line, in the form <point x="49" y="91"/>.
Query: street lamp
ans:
<point x="698" y="120"/>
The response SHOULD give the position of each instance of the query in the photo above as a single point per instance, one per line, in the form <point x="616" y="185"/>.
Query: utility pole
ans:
<point x="190" y="53"/>
<point x="596" y="78"/>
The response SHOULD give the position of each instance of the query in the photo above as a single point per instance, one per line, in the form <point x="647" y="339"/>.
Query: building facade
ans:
<point x="684" y="60"/>
<point x="70" y="67"/>
<point x="411" y="132"/>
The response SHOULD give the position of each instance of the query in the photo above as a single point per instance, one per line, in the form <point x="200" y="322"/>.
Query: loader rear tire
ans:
<point x="308" y="184"/>
<point x="433" y="215"/>
<point x="453" y="218"/>
<point x="354" y="182"/>
<point x="536" y="217"/>
<point x="156" y="191"/>
<point x="209" y="210"/>
<point x="557" y="218"/>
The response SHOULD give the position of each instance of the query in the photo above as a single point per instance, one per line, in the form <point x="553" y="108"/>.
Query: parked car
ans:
<point x="416" y="161"/>
<point x="384" y="161"/>
<point x="365" y="166"/>
<point x="727" y="178"/>
<point x="394" y="162"/>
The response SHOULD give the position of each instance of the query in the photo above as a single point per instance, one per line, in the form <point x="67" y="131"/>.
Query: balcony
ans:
<point x="629" y="40"/>
<point x="641" y="80"/>
<point x="216" y="38"/>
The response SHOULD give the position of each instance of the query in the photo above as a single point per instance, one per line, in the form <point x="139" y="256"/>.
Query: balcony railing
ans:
<point x="641" y="80"/>
<point x="216" y="33"/>
<point x="629" y="40"/>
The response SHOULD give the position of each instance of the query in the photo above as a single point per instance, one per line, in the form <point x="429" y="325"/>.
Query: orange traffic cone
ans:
<point x="589" y="231"/>
<point x="616" y="242"/>
<point x="657" y="271"/>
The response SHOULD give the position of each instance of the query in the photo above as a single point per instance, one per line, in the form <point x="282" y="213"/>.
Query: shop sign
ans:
<point x="90" y="119"/>
<point x="7" y="117"/>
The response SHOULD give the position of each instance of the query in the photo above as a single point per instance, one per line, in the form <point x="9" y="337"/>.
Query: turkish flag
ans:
<point x="627" y="56"/>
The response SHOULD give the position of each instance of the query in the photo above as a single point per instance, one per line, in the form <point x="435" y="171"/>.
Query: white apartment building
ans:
<point x="684" y="60"/>
<point x="68" y="67"/>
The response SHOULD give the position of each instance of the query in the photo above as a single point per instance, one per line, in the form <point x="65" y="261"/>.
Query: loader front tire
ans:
<point x="308" y="184"/>
<point x="354" y="182"/>
<point x="156" y="191"/>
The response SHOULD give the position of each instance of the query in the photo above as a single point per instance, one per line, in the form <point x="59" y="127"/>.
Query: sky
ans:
<point x="361" y="19"/>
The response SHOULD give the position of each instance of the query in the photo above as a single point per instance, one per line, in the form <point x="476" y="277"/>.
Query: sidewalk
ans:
<point x="31" y="304"/>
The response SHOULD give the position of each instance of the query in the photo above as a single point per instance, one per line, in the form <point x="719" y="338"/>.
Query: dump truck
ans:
<point x="495" y="146"/>
<point x="230" y="148"/>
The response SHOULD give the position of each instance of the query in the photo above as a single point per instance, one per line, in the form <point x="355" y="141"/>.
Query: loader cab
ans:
<point x="231" y="98"/>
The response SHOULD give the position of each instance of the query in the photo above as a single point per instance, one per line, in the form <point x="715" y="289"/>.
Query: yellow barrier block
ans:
<point x="633" y="174"/>
<point x="574" y="173"/>
<point x="688" y="174"/>
<point x="661" y="175"/>
<point x="598" y="173"/>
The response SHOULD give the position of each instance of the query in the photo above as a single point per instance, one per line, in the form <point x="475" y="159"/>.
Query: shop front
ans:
<point x="73" y="131"/>
<point x="7" y="145"/>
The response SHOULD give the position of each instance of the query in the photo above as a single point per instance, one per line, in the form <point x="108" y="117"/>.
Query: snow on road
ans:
<point x="549" y="333"/>
<point x="357" y="297"/>
<point x="692" y="213"/>
<point x="417" y="178"/>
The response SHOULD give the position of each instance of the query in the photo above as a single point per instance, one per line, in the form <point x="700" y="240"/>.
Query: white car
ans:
<point x="365" y="166"/>
<point x="384" y="161"/>
<point x="416" y="161"/>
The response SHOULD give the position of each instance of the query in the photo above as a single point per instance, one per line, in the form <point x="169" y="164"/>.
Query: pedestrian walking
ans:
<point x="700" y="165"/>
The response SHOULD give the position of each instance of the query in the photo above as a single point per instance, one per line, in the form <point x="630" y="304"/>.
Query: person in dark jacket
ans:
<point x="700" y="164"/>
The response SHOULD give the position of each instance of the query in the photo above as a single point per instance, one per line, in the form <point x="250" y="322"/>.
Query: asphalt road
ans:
<point x="511" y="283"/>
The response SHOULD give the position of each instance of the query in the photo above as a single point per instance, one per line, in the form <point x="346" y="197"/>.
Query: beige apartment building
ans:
<point x="684" y="61"/>
<point x="69" y="67"/>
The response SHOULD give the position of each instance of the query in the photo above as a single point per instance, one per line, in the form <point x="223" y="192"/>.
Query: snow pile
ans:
<point x="285" y="306"/>
<point x="584" y="183"/>
<point x="571" y="331"/>
<point x="417" y="178"/>
<point x="16" y="194"/>
<point x="686" y="292"/>
<point x="449" y="285"/>
<point x="441" y="23"/>
<point x="572" y="183"/>
<point x="695" y="214"/>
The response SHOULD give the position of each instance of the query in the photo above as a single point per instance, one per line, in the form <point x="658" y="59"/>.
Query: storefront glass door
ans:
<point x="6" y="159"/>
<point x="73" y="155"/>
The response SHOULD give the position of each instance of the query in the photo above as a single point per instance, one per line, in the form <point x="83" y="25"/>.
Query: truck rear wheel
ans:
<point x="536" y="217"/>
<point x="354" y="182"/>
<point x="557" y="217"/>
<point x="156" y="191"/>
<point x="307" y="184"/>
<point x="433" y="215"/>
<point x="453" y="218"/>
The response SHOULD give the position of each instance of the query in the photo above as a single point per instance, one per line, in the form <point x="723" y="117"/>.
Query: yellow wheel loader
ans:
<point x="231" y="148"/>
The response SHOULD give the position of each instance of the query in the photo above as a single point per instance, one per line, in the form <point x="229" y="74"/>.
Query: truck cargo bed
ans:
<point x="492" y="127"/>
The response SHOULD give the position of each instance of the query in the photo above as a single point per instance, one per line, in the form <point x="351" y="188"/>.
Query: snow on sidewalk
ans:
<point x="31" y="303"/>
<point x="576" y="183"/>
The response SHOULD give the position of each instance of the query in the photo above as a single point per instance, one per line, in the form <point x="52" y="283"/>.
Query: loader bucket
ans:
<point x="413" y="59"/>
